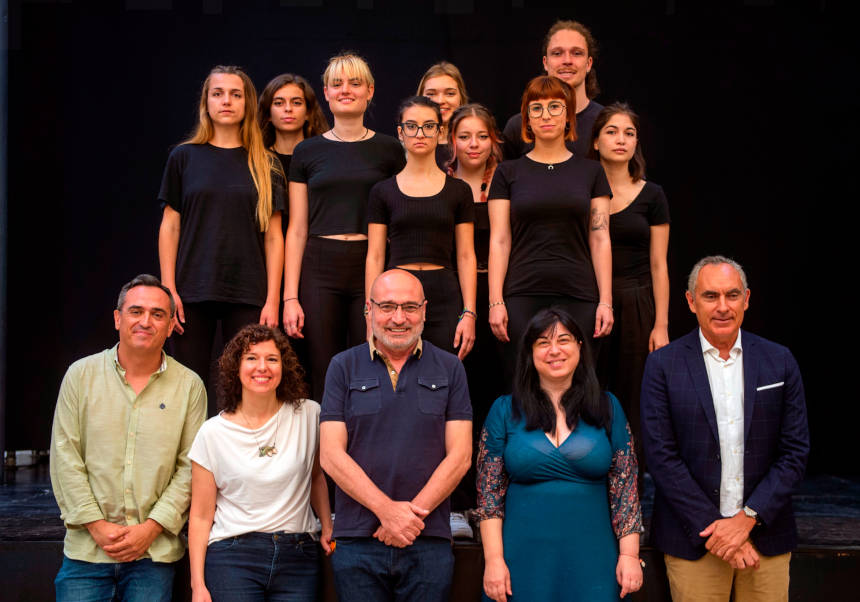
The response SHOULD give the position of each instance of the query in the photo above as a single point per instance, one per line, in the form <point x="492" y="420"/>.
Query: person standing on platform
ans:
<point x="443" y="84"/>
<point x="124" y="422"/>
<point x="326" y="245"/>
<point x="416" y="214"/>
<point x="725" y="432"/>
<point x="396" y="437"/>
<point x="569" y="53"/>
<point x="220" y="245"/>
<point x="639" y="231"/>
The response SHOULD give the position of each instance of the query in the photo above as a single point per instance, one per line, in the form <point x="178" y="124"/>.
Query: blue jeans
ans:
<point x="139" y="581"/>
<point x="367" y="570"/>
<point x="263" y="566"/>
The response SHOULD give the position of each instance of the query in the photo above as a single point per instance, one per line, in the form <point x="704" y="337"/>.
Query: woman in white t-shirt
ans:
<point x="255" y="475"/>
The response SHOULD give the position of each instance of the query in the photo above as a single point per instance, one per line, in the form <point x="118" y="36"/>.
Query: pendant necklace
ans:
<point x="264" y="450"/>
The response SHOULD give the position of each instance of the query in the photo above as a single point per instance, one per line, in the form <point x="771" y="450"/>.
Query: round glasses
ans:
<point x="554" y="108"/>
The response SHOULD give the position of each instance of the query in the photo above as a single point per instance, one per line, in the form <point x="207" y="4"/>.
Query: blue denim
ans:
<point x="367" y="570"/>
<point x="139" y="581"/>
<point x="263" y="566"/>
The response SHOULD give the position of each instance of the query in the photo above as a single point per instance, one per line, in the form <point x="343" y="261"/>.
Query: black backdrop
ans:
<point x="730" y="94"/>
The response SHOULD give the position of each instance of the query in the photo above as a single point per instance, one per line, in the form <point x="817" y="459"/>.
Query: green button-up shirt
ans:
<point x="123" y="457"/>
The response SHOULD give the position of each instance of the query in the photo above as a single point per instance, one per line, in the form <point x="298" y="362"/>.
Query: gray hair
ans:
<point x="713" y="260"/>
<point x="144" y="280"/>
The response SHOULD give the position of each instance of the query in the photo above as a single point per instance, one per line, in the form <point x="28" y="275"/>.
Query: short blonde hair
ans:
<point x="349" y="64"/>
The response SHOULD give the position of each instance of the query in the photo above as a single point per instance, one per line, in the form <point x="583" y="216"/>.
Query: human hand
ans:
<point x="659" y="338"/>
<point x="497" y="580"/>
<point x="269" y="314"/>
<point x="603" y="320"/>
<point x="402" y="521"/>
<point x="179" y="316"/>
<point x="105" y="533"/>
<point x="294" y="319"/>
<point x="464" y="336"/>
<point x="325" y="539"/>
<point x="628" y="572"/>
<point x="726" y="535"/>
<point x="200" y="595"/>
<point x="499" y="322"/>
<point x="745" y="557"/>
<point x="135" y="542"/>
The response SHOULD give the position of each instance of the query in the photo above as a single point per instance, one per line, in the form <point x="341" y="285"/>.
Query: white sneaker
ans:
<point x="460" y="526"/>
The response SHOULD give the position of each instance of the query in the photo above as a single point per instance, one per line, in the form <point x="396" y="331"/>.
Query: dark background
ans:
<point x="747" y="107"/>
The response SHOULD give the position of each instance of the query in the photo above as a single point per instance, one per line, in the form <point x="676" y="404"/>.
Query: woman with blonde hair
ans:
<point x="326" y="244"/>
<point x="443" y="84"/>
<point x="219" y="244"/>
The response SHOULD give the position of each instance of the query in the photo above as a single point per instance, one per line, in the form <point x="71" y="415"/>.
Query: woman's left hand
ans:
<point x="464" y="336"/>
<point x="659" y="338"/>
<point x="628" y="571"/>
<point x="269" y="314"/>
<point x="603" y="320"/>
<point x="325" y="539"/>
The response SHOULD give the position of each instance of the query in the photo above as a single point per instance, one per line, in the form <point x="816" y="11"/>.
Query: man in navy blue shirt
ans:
<point x="396" y="437"/>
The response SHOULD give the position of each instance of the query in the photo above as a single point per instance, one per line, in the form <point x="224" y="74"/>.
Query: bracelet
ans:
<point x="467" y="312"/>
<point x="291" y="299"/>
<point x="613" y="311"/>
<point x="641" y="562"/>
<point x="492" y="305"/>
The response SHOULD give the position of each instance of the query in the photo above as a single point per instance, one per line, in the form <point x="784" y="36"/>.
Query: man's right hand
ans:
<point x="745" y="557"/>
<point x="402" y="522"/>
<point x="105" y="533"/>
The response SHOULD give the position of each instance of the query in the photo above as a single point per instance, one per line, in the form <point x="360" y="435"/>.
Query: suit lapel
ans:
<point x="750" y="379"/>
<point x="699" y="376"/>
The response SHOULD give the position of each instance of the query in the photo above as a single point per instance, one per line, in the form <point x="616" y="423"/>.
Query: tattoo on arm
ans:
<point x="599" y="221"/>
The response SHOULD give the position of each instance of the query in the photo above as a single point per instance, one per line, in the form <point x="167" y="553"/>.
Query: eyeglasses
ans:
<point x="389" y="307"/>
<point x="410" y="128"/>
<point x="554" y="108"/>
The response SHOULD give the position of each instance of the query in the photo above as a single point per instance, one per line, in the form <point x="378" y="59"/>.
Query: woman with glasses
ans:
<point x="420" y="211"/>
<point x="326" y="244"/>
<point x="549" y="225"/>
<point x="443" y="84"/>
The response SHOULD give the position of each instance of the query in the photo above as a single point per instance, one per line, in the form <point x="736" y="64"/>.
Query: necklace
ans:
<point x="264" y="450"/>
<point x="356" y="140"/>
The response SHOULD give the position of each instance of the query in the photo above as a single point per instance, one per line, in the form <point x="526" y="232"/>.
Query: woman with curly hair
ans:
<point x="255" y="475"/>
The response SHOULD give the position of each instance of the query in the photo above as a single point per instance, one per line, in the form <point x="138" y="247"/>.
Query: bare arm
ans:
<point x="168" y="249"/>
<point x="203" y="493"/>
<point x="377" y="234"/>
<point x="601" y="259"/>
<point x="497" y="577"/>
<point x="628" y="570"/>
<point x="660" y="284"/>
<point x="458" y="459"/>
<point x="297" y="237"/>
<point x="499" y="211"/>
<point x="320" y="504"/>
<point x="274" y="248"/>
<point x="467" y="272"/>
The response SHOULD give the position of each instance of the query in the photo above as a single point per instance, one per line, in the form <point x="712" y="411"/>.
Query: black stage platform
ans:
<point x="824" y="567"/>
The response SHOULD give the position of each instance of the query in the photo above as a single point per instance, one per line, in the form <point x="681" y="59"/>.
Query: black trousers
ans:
<point x="444" y="303"/>
<point x="331" y="292"/>
<point x="196" y="347"/>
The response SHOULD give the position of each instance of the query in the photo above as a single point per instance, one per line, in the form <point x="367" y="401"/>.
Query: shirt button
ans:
<point x="128" y="517"/>
<point x="393" y="372"/>
<point x="128" y="490"/>
<point x="130" y="434"/>
<point x="128" y="462"/>
<point x="432" y="386"/>
<point x="363" y="388"/>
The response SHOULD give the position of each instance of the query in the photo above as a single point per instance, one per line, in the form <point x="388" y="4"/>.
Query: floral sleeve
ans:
<point x="624" y="507"/>
<point x="492" y="478"/>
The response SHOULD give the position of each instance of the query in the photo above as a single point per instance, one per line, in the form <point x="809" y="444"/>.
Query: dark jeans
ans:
<point x="367" y="570"/>
<point x="263" y="566"/>
<point x="139" y="581"/>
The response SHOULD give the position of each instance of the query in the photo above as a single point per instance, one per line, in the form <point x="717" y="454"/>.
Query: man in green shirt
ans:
<point x="124" y="423"/>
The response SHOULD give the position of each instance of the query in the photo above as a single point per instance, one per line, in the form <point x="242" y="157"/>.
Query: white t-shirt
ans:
<point x="261" y="493"/>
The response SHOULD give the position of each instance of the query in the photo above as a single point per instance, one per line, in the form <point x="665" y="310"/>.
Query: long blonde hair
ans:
<point x="260" y="161"/>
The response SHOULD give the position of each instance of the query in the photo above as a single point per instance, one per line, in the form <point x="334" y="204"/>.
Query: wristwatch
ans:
<point x="752" y="514"/>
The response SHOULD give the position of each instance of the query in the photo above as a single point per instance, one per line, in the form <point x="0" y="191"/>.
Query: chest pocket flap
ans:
<point x="365" y="396"/>
<point x="433" y="394"/>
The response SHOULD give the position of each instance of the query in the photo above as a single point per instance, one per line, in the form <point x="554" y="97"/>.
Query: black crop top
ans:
<point x="421" y="229"/>
<point x="339" y="176"/>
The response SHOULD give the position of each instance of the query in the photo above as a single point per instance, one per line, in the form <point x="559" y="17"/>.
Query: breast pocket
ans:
<point x="365" y="397"/>
<point x="433" y="394"/>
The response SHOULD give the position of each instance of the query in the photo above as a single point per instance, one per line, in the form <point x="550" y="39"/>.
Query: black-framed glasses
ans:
<point x="410" y="128"/>
<point x="554" y="108"/>
<point x="389" y="307"/>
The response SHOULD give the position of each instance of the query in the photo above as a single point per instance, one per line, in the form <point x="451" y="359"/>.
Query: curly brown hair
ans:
<point x="291" y="389"/>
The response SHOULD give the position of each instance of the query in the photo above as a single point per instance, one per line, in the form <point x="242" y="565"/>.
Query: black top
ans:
<point x="630" y="232"/>
<point x="482" y="235"/>
<point x="514" y="146"/>
<point x="421" y="229"/>
<point x="550" y="210"/>
<point x="221" y="254"/>
<point x="339" y="176"/>
<point x="285" y="163"/>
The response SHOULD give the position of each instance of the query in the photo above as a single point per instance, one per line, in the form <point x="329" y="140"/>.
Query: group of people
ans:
<point x="408" y="272"/>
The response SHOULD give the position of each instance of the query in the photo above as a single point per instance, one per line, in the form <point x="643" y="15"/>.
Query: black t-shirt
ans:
<point x="420" y="229"/>
<point x="339" y="176"/>
<point x="630" y="232"/>
<point x="514" y="146"/>
<point x="285" y="163"/>
<point x="550" y="211"/>
<point x="221" y="253"/>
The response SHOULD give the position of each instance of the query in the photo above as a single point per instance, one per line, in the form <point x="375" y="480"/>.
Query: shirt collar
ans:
<point x="709" y="349"/>
<point x="371" y="342"/>
<point x="121" y="370"/>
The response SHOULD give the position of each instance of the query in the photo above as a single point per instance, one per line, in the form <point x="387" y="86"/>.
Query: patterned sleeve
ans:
<point x="624" y="507"/>
<point x="492" y="477"/>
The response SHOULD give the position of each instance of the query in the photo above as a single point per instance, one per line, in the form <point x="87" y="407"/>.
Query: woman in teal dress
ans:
<point x="558" y="505"/>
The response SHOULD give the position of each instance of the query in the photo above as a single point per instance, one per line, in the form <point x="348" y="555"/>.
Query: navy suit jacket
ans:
<point x="682" y="446"/>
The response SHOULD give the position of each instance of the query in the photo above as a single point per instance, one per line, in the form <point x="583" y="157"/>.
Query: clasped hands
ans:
<point x="124" y="543"/>
<point x="401" y="522"/>
<point x="728" y="539"/>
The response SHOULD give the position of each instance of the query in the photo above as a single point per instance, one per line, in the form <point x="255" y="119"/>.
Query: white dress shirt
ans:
<point x="726" y="378"/>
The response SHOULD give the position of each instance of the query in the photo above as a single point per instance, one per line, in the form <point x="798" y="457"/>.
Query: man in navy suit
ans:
<point x="726" y="440"/>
